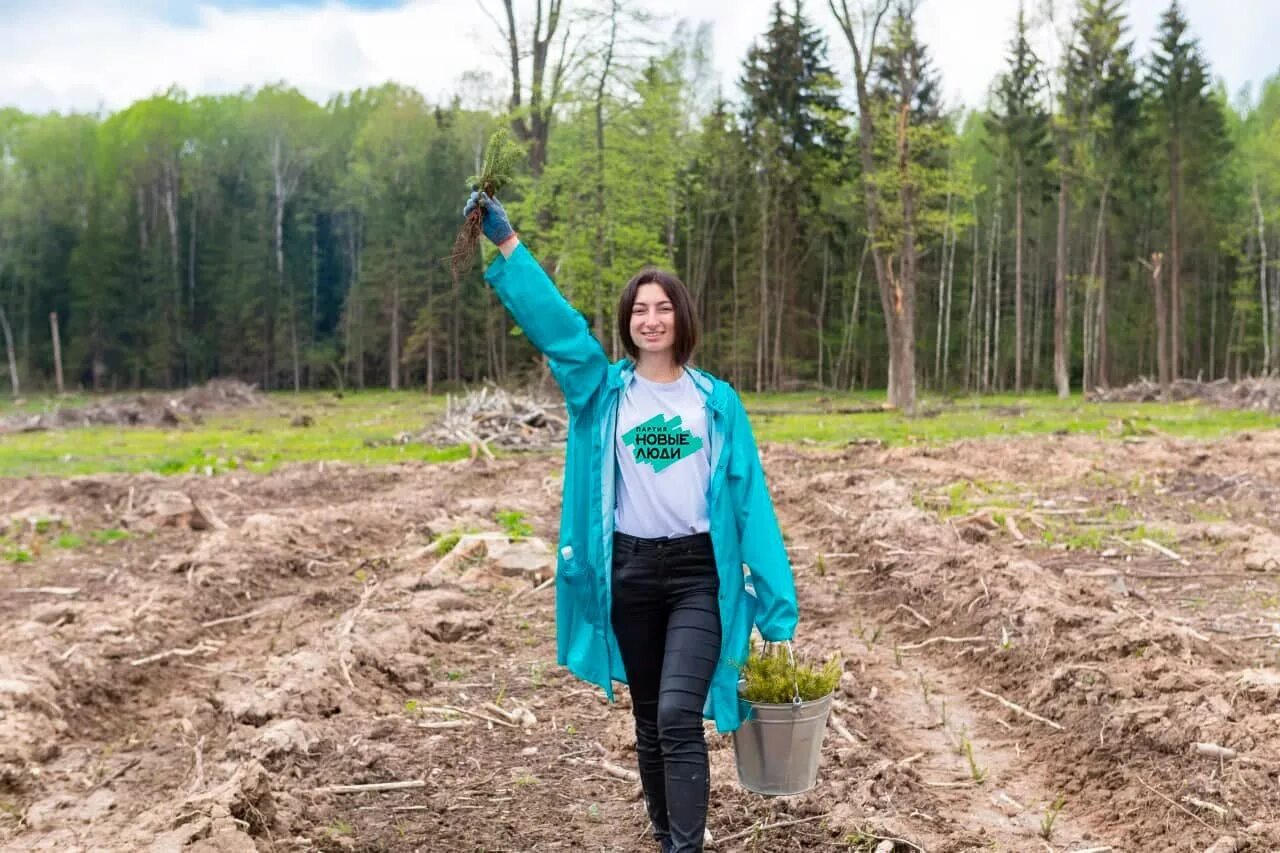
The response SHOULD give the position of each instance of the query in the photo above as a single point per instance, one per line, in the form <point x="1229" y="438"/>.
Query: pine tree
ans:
<point x="1020" y="122"/>
<point x="1187" y="123"/>
<point x="793" y="121"/>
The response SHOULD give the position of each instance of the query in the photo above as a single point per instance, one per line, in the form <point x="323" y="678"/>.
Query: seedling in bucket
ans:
<point x="784" y="708"/>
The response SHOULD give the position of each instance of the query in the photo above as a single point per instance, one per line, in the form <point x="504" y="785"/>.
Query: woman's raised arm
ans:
<point x="555" y="327"/>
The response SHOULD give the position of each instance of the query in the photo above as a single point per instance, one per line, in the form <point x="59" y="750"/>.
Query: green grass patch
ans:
<point x="798" y="416"/>
<point x="513" y="524"/>
<point x="359" y="427"/>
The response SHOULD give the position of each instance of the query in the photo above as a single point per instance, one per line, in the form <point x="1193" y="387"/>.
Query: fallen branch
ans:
<point x="841" y="729"/>
<point x="1160" y="549"/>
<point x="620" y="772"/>
<point x="49" y="590"/>
<point x="506" y="715"/>
<point x="914" y="613"/>
<point x="1176" y="805"/>
<point x="1202" y="804"/>
<point x="226" y="620"/>
<point x="372" y="786"/>
<point x="1268" y="635"/>
<point x="932" y="640"/>
<point x="765" y="827"/>
<point x="450" y="709"/>
<point x="1013" y="706"/>
<point x="199" y="649"/>
<point x="910" y="759"/>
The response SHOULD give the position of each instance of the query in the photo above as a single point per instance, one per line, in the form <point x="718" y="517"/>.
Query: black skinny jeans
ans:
<point x="666" y="616"/>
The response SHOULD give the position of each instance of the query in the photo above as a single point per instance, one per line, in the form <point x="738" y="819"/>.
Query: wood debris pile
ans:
<point x="1251" y="393"/>
<point x="493" y="417"/>
<point x="151" y="409"/>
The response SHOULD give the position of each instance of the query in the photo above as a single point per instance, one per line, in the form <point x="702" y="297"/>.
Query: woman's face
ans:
<point x="653" y="319"/>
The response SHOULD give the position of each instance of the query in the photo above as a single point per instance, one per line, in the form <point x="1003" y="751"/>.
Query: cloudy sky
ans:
<point x="91" y="54"/>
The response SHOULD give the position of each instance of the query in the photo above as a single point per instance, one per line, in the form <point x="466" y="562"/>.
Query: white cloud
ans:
<point x="80" y="54"/>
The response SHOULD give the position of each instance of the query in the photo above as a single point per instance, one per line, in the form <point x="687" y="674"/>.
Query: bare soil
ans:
<point x="137" y="713"/>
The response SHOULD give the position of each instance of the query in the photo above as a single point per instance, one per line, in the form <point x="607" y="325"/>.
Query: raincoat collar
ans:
<point x="715" y="391"/>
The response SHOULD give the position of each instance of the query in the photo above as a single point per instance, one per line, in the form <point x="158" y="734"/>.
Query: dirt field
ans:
<point x="1125" y="593"/>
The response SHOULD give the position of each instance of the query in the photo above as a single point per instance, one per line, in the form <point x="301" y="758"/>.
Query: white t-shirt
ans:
<point x="664" y="464"/>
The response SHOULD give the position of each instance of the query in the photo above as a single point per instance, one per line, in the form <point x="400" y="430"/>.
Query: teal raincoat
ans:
<point x="744" y="528"/>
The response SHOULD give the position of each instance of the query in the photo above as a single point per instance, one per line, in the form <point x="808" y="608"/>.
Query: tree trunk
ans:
<point x="902" y="305"/>
<point x="601" y="261"/>
<point x="532" y="124"/>
<point x="1038" y="304"/>
<point x="1162" y="331"/>
<point x="1089" y="317"/>
<point x="1213" y="320"/>
<point x="191" y="263"/>
<point x="393" y="349"/>
<point x="822" y="304"/>
<point x="14" y="385"/>
<point x="942" y="295"/>
<point x="1175" y="261"/>
<point x="1262" y="276"/>
<point x="1017" y="282"/>
<point x="1103" y="373"/>
<point x="946" y="329"/>
<point x="901" y="376"/>
<point x="970" y="326"/>
<point x="984" y="364"/>
<point x="169" y="195"/>
<point x="997" y="380"/>
<point x="762" y="345"/>
<point x="57" y="351"/>
<point x="431" y="362"/>
<point x="733" y="274"/>
<point x="1060" y="354"/>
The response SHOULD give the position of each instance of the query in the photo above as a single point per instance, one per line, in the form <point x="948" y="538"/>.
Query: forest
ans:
<point x="1111" y="212"/>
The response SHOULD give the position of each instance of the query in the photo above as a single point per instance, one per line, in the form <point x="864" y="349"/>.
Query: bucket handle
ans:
<point x="796" y="701"/>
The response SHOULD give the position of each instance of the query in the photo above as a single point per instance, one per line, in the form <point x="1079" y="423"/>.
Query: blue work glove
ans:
<point x="493" y="220"/>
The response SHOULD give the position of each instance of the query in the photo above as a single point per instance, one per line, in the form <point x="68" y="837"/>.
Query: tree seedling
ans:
<point x="979" y="774"/>
<point x="496" y="171"/>
<point x="771" y="677"/>
<point x="1051" y="815"/>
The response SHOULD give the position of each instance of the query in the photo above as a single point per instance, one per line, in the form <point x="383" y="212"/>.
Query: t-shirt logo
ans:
<point x="660" y="442"/>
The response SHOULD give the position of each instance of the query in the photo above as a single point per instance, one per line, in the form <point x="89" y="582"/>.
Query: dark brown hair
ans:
<point x="681" y="303"/>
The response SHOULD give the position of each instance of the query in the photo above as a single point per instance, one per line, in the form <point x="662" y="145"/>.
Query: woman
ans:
<point x="664" y="501"/>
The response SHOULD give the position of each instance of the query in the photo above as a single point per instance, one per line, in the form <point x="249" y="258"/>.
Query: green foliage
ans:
<point x="447" y="542"/>
<point x="270" y="237"/>
<point x="977" y="773"/>
<point x="1051" y="815"/>
<point x="69" y="540"/>
<point x="500" y="158"/>
<point x="513" y="524"/>
<point x="771" y="678"/>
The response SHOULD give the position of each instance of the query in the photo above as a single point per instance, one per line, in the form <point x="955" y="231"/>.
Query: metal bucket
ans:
<point x="778" y="746"/>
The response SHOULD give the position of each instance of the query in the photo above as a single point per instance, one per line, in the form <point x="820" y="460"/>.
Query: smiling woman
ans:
<point x="661" y="476"/>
